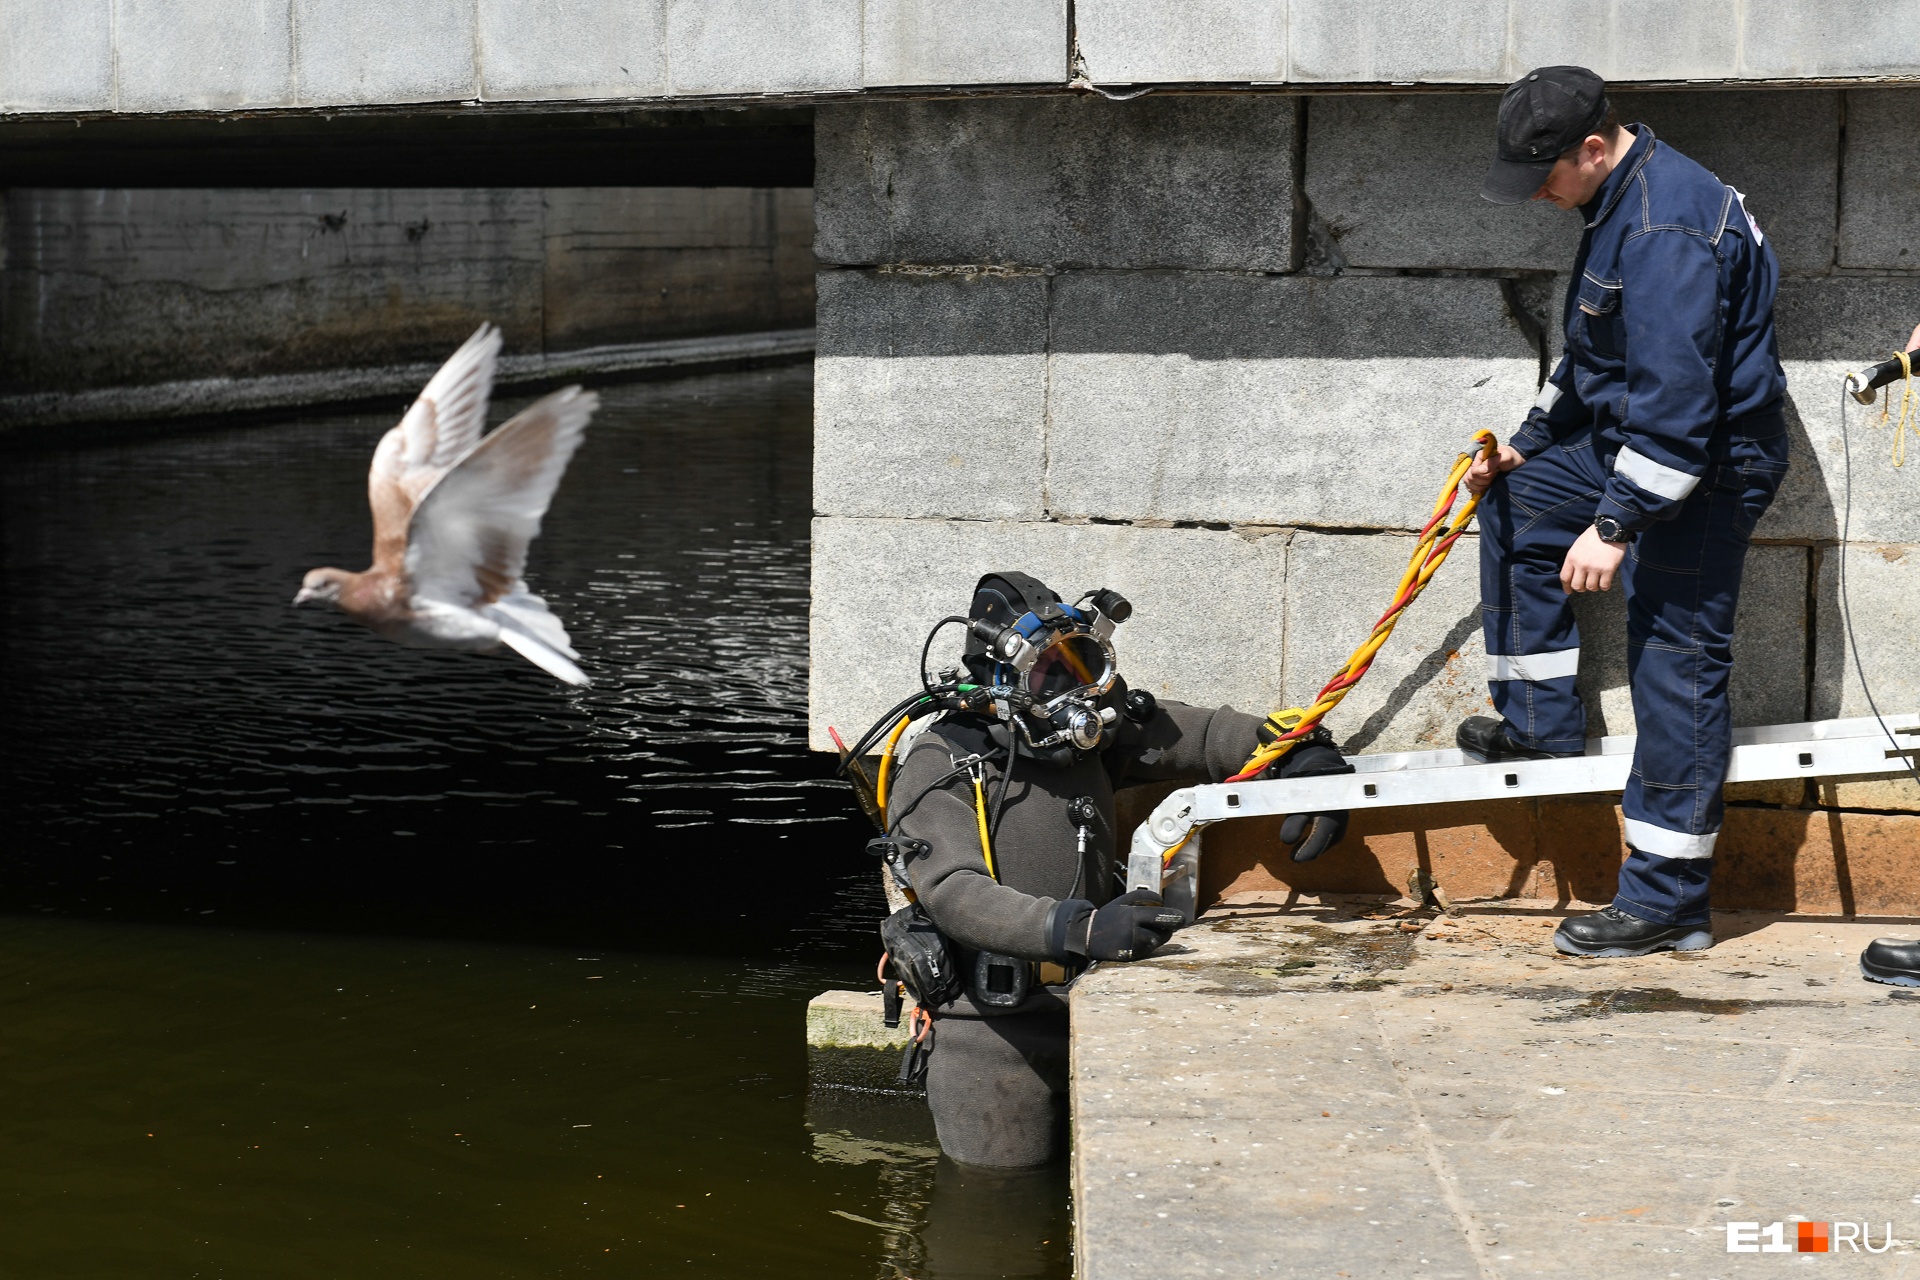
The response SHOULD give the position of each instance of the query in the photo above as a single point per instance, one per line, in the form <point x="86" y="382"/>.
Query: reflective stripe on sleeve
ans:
<point x="1533" y="666"/>
<point x="1549" y="397"/>
<point x="1662" y="843"/>
<point x="1655" y="477"/>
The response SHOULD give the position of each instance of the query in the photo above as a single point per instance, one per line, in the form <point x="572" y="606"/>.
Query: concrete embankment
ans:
<point x="1345" y="1089"/>
<point x="200" y="396"/>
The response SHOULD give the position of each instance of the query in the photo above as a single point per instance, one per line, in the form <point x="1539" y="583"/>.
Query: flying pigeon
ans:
<point x="453" y="513"/>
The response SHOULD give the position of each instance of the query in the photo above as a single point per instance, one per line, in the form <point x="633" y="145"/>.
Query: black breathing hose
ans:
<point x="879" y="727"/>
<point x="926" y="685"/>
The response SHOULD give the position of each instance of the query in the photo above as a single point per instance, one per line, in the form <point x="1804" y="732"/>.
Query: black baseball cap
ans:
<point x="1543" y="114"/>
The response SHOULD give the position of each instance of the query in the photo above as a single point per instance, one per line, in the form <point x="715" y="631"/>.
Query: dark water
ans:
<point x="323" y="957"/>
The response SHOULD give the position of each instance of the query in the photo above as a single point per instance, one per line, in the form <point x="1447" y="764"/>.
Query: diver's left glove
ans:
<point x="1310" y="834"/>
<point x="1131" y="927"/>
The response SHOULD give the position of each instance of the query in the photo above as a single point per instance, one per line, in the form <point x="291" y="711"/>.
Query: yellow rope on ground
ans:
<point x="1429" y="553"/>
<point x="1909" y="419"/>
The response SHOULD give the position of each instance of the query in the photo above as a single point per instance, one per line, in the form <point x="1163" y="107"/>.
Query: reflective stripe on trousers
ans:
<point x="1682" y="583"/>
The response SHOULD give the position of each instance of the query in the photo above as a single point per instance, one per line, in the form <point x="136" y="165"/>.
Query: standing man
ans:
<point x="1654" y="448"/>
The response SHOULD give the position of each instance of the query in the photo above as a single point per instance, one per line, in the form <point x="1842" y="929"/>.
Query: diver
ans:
<point x="999" y="826"/>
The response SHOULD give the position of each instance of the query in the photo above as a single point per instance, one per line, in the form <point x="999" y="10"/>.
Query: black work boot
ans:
<point x="1891" y="960"/>
<point x="1485" y="739"/>
<point x="1611" y="932"/>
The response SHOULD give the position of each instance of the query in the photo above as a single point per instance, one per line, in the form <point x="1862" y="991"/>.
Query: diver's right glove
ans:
<point x="1130" y="927"/>
<point x="1309" y="834"/>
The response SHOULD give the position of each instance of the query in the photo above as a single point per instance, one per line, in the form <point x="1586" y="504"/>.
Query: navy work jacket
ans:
<point x="1669" y="322"/>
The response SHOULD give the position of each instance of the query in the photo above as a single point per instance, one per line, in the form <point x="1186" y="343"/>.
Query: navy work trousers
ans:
<point x="1682" y="580"/>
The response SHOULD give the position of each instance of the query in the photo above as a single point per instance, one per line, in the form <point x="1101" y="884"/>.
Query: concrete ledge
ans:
<point x="733" y="47"/>
<point x="84" y="54"/>
<point x="1315" y="1091"/>
<point x="584" y="49"/>
<point x="935" y="42"/>
<point x="345" y="386"/>
<point x="849" y="1045"/>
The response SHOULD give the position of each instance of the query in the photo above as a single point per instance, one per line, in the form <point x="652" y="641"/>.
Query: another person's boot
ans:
<point x="1611" y="932"/>
<point x="1486" y="739"/>
<point x="1891" y="960"/>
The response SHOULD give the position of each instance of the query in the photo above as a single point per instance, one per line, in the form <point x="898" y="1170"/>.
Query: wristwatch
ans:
<point x="1610" y="531"/>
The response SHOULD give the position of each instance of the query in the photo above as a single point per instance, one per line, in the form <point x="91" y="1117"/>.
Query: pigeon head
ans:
<point x="323" y="585"/>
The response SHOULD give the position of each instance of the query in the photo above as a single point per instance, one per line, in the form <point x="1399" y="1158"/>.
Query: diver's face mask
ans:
<point x="1047" y="666"/>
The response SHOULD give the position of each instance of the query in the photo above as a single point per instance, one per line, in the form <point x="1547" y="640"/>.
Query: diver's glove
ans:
<point x="1130" y="927"/>
<point x="1309" y="834"/>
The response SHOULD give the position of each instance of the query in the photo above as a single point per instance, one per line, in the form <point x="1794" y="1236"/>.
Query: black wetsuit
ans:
<point x="997" y="1077"/>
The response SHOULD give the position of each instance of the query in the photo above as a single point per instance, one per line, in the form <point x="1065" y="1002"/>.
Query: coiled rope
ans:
<point x="1909" y="419"/>
<point x="1429" y="553"/>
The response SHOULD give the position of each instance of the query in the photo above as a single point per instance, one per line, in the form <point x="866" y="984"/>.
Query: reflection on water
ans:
<point x="943" y="1220"/>
<point x="424" y="964"/>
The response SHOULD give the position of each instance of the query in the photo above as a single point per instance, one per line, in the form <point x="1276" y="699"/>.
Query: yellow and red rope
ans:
<point x="1429" y="553"/>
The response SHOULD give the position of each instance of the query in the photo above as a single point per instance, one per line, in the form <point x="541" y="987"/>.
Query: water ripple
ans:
<point x="155" y="671"/>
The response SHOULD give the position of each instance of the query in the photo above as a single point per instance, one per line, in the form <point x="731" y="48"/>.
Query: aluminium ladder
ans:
<point x="1820" y="748"/>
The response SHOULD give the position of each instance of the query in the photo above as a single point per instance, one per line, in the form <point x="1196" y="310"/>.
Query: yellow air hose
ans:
<point x="886" y="767"/>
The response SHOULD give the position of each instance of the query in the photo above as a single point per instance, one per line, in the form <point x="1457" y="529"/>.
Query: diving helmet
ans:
<point x="1045" y="664"/>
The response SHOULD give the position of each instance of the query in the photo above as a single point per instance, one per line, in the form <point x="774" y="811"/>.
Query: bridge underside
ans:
<point x="417" y="147"/>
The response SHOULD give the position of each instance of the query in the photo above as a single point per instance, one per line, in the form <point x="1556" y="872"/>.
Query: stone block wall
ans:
<point x="1218" y="351"/>
<point x="107" y="288"/>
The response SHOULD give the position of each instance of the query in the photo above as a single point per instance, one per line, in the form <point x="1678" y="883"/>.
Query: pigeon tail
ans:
<point x="541" y="656"/>
<point x="535" y="634"/>
<point x="526" y="612"/>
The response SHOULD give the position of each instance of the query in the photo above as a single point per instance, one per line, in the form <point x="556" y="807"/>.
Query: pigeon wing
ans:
<point x="467" y="541"/>
<point x="442" y="425"/>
